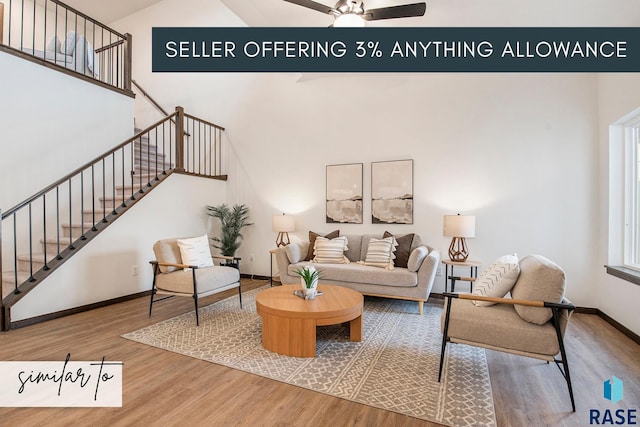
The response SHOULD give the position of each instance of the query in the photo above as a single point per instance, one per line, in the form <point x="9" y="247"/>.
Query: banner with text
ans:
<point x="395" y="49"/>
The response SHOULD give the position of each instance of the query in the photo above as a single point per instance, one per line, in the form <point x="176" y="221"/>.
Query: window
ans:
<point x="631" y="233"/>
<point x="623" y="260"/>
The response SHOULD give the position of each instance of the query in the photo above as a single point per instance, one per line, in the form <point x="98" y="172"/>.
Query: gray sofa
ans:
<point x="399" y="283"/>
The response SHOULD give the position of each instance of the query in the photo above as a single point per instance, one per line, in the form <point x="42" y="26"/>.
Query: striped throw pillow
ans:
<point x="380" y="252"/>
<point x="330" y="251"/>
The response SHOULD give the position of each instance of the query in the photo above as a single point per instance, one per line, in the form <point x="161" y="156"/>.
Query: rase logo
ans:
<point x="613" y="390"/>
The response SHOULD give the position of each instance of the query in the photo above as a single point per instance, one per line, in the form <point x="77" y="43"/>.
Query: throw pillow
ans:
<point x="68" y="45"/>
<point x="497" y="279"/>
<point x="54" y="45"/>
<point x="540" y="280"/>
<point x="167" y="250"/>
<point x="330" y="251"/>
<point x="296" y="252"/>
<point x="416" y="258"/>
<point x="195" y="251"/>
<point x="403" y="251"/>
<point x="380" y="253"/>
<point x="312" y="241"/>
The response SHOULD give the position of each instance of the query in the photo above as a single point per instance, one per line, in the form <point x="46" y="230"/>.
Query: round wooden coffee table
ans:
<point x="289" y="322"/>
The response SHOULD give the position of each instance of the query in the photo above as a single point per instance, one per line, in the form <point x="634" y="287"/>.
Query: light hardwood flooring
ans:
<point x="165" y="389"/>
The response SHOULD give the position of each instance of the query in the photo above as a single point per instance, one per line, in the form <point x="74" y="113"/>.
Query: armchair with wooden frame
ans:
<point x="171" y="279"/>
<point x="527" y="326"/>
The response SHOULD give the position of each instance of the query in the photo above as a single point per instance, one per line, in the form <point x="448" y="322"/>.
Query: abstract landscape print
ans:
<point x="392" y="192"/>
<point x="344" y="193"/>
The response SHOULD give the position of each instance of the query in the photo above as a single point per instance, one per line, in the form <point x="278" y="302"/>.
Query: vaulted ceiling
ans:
<point x="450" y="13"/>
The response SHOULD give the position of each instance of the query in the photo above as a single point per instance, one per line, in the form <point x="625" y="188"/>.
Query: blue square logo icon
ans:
<point x="613" y="389"/>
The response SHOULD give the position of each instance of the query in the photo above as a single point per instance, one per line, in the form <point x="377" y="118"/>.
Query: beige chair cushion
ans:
<point x="208" y="279"/>
<point x="167" y="250"/>
<point x="540" y="280"/>
<point x="499" y="326"/>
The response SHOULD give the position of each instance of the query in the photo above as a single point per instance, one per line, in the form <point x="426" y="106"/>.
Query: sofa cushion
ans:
<point x="403" y="250"/>
<point x="195" y="251"/>
<point x="297" y="252"/>
<point x="357" y="273"/>
<point x="330" y="251"/>
<point x="417" y="241"/>
<point x="380" y="252"/>
<point x="497" y="279"/>
<point x="167" y="250"/>
<point x="355" y="247"/>
<point x="416" y="258"/>
<point x="312" y="241"/>
<point x="208" y="279"/>
<point x="499" y="326"/>
<point x="540" y="280"/>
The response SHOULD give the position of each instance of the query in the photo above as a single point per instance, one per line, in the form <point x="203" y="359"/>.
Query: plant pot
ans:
<point x="311" y="291"/>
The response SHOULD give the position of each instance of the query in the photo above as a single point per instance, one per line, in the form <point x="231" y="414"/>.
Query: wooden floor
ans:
<point x="163" y="388"/>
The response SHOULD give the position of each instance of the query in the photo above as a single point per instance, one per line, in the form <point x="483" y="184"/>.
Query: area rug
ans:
<point x="394" y="367"/>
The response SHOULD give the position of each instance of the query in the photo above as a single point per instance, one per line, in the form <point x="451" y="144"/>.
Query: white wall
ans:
<point x="103" y="269"/>
<point x="51" y="124"/>
<point x="619" y="94"/>
<point x="516" y="150"/>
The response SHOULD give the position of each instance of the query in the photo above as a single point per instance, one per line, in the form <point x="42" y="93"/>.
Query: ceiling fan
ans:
<point x="349" y="13"/>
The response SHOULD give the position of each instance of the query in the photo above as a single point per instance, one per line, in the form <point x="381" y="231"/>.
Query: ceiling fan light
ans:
<point x="349" y="20"/>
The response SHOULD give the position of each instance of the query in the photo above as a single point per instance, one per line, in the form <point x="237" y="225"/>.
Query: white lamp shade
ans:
<point x="348" y="20"/>
<point x="460" y="226"/>
<point x="283" y="223"/>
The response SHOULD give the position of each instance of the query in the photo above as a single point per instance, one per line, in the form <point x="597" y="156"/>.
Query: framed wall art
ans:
<point x="392" y="192"/>
<point x="344" y="193"/>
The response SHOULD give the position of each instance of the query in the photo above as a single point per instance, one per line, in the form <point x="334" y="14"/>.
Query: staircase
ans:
<point x="75" y="209"/>
<point x="148" y="163"/>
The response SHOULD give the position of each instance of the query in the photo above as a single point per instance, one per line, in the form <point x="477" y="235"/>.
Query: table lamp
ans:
<point x="282" y="224"/>
<point x="459" y="227"/>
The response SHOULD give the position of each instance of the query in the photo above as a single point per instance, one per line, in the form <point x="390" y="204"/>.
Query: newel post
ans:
<point x="2" y="22"/>
<point x="1" y="304"/>
<point x="179" y="139"/>
<point x="128" y="61"/>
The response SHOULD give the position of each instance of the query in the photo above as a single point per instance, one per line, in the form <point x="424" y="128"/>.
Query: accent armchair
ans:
<point x="524" y="325"/>
<point x="171" y="279"/>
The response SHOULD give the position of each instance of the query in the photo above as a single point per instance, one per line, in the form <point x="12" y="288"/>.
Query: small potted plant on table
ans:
<point x="309" y="280"/>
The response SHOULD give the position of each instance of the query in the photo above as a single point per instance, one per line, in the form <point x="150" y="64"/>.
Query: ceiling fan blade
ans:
<point x="313" y="5"/>
<point x="402" y="11"/>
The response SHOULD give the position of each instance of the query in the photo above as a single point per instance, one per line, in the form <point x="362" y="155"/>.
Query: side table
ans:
<point x="271" y="277"/>
<point x="473" y="270"/>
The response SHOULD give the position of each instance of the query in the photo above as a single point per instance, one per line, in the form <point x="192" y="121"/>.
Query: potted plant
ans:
<point x="232" y="220"/>
<point x="309" y="280"/>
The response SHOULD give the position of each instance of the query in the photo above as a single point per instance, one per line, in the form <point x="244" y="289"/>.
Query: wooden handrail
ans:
<point x="146" y="95"/>
<point x="82" y="168"/>
<point x="109" y="46"/>
<point x="203" y="121"/>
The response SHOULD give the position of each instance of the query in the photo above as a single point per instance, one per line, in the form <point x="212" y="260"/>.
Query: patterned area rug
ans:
<point x="395" y="367"/>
